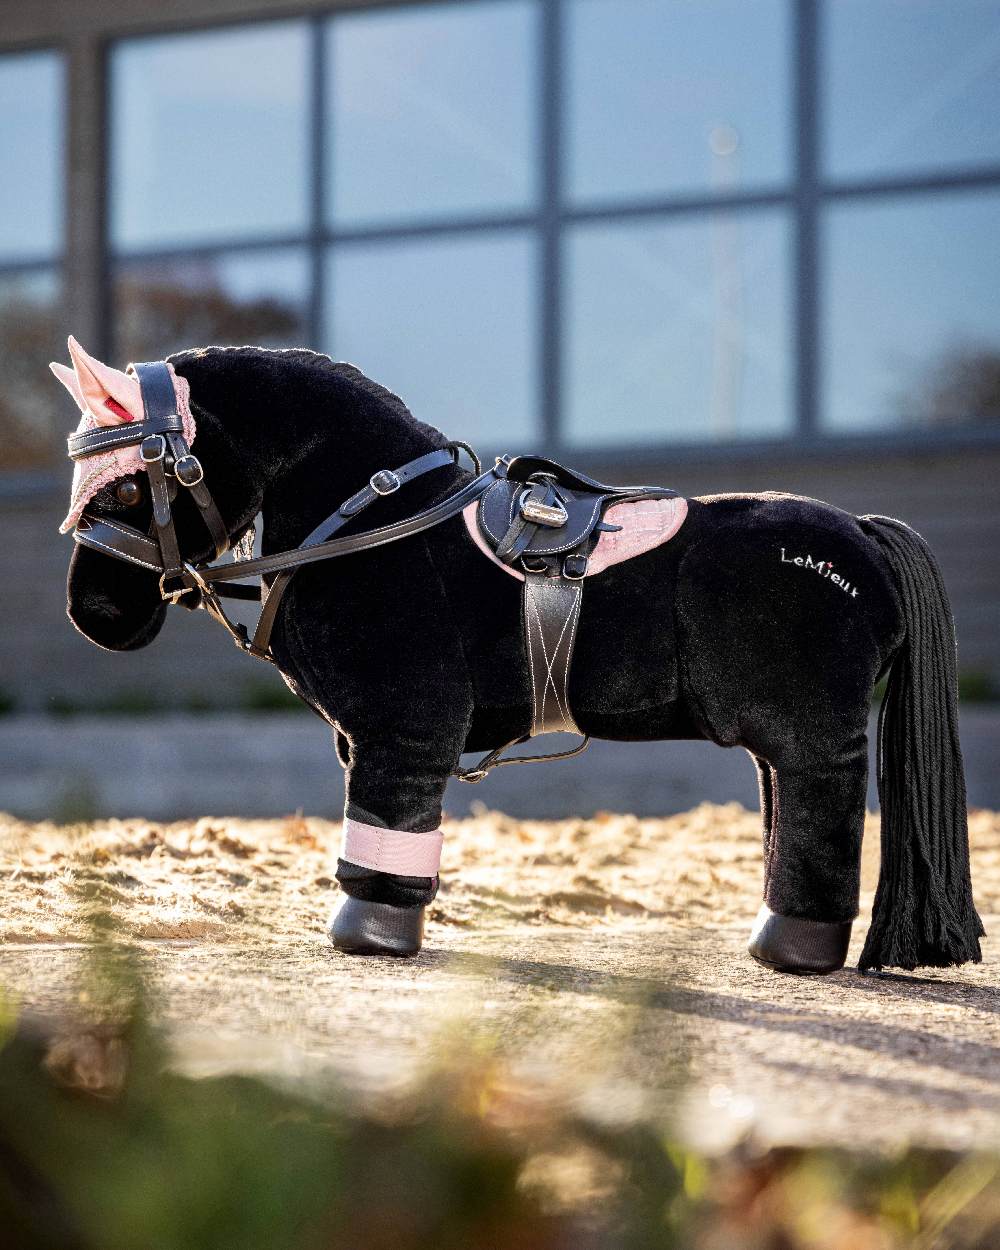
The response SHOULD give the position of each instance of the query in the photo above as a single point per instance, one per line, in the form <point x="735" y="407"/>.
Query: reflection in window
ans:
<point x="30" y="405"/>
<point x="31" y="155"/>
<point x="209" y="135"/>
<point x="671" y="96"/>
<point x="432" y="111"/>
<point x="228" y="300"/>
<point x="911" y="314"/>
<point x="678" y="331"/>
<point x="449" y="325"/>
<point x="911" y="85"/>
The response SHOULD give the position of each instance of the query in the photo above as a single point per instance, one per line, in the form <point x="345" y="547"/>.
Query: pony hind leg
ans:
<point x="813" y="813"/>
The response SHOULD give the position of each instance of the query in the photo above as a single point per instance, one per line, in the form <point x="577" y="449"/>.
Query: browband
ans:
<point x="90" y="442"/>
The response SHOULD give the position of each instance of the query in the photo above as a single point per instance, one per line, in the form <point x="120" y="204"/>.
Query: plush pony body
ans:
<point x="736" y="630"/>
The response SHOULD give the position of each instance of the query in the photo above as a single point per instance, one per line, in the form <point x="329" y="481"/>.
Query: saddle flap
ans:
<point x="500" y="508"/>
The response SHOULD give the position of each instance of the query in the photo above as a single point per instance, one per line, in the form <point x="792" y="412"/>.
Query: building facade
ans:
<point x="723" y="244"/>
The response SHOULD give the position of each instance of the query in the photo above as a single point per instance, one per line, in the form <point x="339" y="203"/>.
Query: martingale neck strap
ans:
<point x="322" y="544"/>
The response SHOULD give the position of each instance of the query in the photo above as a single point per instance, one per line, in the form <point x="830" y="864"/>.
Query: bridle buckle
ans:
<point x="152" y="448"/>
<point x="384" y="482"/>
<point x="188" y="470"/>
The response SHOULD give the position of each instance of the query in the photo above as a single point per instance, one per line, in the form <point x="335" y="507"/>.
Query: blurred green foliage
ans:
<point x="103" y="1146"/>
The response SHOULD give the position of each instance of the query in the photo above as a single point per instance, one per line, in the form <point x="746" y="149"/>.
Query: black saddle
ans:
<point x="544" y="520"/>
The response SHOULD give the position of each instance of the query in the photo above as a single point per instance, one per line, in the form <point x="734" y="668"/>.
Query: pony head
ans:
<point x="114" y="604"/>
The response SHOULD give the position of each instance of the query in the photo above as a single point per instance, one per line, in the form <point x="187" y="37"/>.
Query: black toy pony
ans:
<point x="448" y="625"/>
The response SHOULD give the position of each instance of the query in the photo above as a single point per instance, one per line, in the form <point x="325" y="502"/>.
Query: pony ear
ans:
<point x="109" y="395"/>
<point x="68" y="378"/>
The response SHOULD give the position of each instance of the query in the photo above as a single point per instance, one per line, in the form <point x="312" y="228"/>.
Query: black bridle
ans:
<point x="171" y="465"/>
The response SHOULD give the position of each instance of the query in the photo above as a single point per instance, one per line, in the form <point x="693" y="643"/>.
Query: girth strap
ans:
<point x="551" y="614"/>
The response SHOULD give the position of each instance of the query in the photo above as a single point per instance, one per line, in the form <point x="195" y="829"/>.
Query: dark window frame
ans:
<point x="24" y="481"/>
<point x="805" y="198"/>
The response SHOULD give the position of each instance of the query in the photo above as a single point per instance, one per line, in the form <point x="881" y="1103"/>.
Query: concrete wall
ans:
<point x="179" y="767"/>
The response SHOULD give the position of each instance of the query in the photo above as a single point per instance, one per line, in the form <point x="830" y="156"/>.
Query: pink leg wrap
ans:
<point x="392" y="850"/>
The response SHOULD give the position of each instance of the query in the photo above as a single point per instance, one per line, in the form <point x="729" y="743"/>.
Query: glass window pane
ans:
<point x="33" y="414"/>
<point x="432" y="111"/>
<point x="259" y="297"/>
<point x="671" y="96"/>
<point x="678" y="330"/>
<point x="209" y="135"/>
<point x="31" y="155"/>
<point x="449" y="325"/>
<point x="911" y="84"/>
<point x="911" y="316"/>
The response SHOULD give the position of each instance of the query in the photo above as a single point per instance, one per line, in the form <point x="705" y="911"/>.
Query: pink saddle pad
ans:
<point x="645" y="524"/>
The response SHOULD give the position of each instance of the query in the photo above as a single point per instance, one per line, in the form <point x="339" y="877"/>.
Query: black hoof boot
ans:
<point x="361" y="928"/>
<point x="804" y="947"/>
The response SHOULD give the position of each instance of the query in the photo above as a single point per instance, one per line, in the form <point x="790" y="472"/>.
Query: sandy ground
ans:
<point x="604" y="957"/>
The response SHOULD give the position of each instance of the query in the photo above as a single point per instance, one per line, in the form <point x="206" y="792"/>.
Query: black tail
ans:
<point x="924" y="912"/>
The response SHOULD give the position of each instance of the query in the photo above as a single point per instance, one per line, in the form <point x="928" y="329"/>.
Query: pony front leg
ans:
<point x="391" y="850"/>
<point x="813" y="824"/>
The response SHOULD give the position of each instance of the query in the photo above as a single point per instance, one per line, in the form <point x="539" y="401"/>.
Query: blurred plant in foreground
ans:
<point x="104" y="1147"/>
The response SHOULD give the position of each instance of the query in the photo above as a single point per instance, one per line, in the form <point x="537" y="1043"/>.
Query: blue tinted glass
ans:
<point x="678" y="330"/>
<point x="672" y="96"/>
<point x="209" y="135"/>
<point x="32" y="409"/>
<point x="911" y="314"/>
<point x="31" y="155"/>
<point x="258" y="297"/>
<point x="432" y="111"/>
<point x="449" y="325"/>
<point x="911" y="84"/>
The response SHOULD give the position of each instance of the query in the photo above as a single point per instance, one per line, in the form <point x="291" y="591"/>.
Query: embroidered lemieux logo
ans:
<point x="824" y="568"/>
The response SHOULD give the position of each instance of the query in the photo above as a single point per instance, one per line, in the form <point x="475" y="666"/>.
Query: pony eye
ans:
<point x="128" y="493"/>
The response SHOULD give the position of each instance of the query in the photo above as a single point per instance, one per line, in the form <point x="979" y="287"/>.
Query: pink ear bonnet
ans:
<point x="107" y="396"/>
